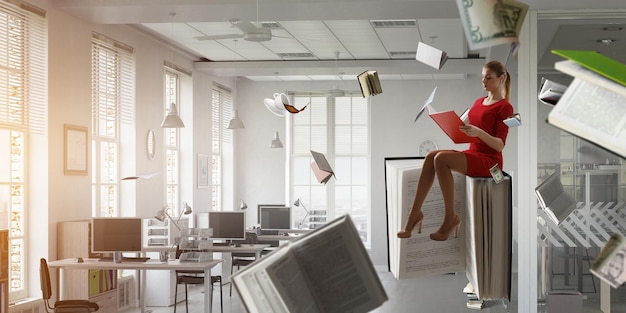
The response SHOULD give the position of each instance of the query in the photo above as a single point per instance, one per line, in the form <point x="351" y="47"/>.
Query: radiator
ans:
<point x="28" y="306"/>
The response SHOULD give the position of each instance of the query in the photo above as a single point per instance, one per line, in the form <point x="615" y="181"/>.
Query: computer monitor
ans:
<point x="275" y="217"/>
<point x="116" y="234"/>
<point x="228" y="225"/>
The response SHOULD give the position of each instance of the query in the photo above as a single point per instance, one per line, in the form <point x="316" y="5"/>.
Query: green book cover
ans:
<point x="596" y="62"/>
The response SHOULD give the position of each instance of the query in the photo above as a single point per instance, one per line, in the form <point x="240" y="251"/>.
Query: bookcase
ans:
<point x="4" y="271"/>
<point x="100" y="286"/>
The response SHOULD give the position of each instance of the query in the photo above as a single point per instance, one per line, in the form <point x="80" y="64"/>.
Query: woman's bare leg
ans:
<point x="444" y="163"/>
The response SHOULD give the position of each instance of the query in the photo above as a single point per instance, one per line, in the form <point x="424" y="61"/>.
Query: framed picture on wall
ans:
<point x="75" y="150"/>
<point x="203" y="171"/>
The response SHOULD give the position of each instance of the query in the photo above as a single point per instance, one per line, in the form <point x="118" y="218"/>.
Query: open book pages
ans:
<point x="369" y="83"/>
<point x="513" y="120"/>
<point x="488" y="23"/>
<point x="550" y="92"/>
<point x="593" y="108"/>
<point x="610" y="266"/>
<point x="327" y="270"/>
<point x="321" y="168"/>
<point x="554" y="200"/>
<point x="430" y="56"/>
<point x="419" y="256"/>
<point x="426" y="104"/>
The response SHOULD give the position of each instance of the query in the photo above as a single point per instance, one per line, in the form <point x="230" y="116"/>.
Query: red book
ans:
<point x="449" y="122"/>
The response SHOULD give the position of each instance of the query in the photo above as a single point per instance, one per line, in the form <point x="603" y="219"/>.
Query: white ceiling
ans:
<point x="307" y="35"/>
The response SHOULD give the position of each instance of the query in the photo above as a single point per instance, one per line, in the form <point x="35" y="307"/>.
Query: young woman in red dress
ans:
<point x="485" y="121"/>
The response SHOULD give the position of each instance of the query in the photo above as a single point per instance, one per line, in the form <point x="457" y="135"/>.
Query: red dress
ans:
<point x="490" y="118"/>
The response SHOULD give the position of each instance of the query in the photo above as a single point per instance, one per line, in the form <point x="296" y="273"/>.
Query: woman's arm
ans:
<point x="493" y="142"/>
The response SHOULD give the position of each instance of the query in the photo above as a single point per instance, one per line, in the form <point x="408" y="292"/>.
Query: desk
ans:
<point x="70" y="264"/>
<point x="278" y="237"/>
<point x="244" y="248"/>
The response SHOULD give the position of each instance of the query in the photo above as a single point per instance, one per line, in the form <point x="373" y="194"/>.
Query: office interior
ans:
<point x="259" y="174"/>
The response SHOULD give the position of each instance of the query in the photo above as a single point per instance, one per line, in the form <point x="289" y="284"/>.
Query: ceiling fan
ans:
<point x="250" y="31"/>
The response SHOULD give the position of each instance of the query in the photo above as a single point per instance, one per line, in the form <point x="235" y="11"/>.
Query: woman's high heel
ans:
<point x="442" y="235"/>
<point x="406" y="233"/>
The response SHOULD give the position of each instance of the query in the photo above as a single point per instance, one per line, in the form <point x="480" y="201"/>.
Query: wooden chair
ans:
<point x="194" y="278"/>
<point x="61" y="306"/>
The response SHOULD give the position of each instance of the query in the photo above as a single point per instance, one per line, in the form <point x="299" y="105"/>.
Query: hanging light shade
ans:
<point x="172" y="120"/>
<point x="276" y="143"/>
<point x="235" y="122"/>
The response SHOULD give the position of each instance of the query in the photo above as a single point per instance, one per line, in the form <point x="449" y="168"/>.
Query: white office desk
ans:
<point x="70" y="264"/>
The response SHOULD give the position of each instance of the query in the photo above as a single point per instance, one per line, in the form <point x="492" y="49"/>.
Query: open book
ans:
<point x="550" y="92"/>
<point x="484" y="246"/>
<point x="369" y="83"/>
<point x="321" y="168"/>
<point x="449" y="122"/>
<point x="327" y="270"/>
<point x="553" y="199"/>
<point x="594" y="105"/>
<point x="430" y="56"/>
<point x="610" y="265"/>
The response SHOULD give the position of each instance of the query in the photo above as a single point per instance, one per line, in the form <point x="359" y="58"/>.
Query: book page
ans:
<point x="338" y="269"/>
<point x="274" y="284"/>
<point x="419" y="255"/>
<point x="593" y="113"/>
<point x="553" y="199"/>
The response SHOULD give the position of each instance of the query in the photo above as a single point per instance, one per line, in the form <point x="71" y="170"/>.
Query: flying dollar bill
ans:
<point x="489" y="23"/>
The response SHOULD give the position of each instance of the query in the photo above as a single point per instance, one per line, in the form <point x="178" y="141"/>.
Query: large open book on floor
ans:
<point x="594" y="105"/>
<point x="482" y="250"/>
<point x="327" y="270"/>
<point x="610" y="264"/>
<point x="554" y="200"/>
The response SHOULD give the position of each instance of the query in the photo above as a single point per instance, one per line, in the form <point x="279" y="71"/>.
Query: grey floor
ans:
<point x="435" y="294"/>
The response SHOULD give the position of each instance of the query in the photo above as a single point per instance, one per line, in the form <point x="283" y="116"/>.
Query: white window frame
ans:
<point x="171" y="142"/>
<point x="23" y="113"/>
<point x="113" y="85"/>
<point x="221" y="111"/>
<point x="322" y="137"/>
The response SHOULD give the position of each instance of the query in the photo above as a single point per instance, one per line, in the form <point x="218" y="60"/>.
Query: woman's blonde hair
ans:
<point x="499" y="68"/>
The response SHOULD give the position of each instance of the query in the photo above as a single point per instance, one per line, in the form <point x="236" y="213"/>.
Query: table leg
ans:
<point x="142" y="291"/>
<point x="208" y="290"/>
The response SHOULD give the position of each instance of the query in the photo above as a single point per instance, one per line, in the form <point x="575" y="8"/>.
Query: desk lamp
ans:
<point x="242" y="205"/>
<point x="298" y="203"/>
<point x="162" y="214"/>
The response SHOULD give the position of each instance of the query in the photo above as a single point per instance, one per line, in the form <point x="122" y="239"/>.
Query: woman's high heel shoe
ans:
<point x="442" y="235"/>
<point x="406" y="233"/>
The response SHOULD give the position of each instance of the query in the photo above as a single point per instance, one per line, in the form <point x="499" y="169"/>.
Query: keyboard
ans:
<point x="126" y="259"/>
<point x="269" y="232"/>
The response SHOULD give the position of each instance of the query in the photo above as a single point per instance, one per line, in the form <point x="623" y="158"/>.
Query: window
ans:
<point x="171" y="144"/>
<point x="23" y="100"/>
<point x="222" y="108"/>
<point x="338" y="127"/>
<point x="112" y="98"/>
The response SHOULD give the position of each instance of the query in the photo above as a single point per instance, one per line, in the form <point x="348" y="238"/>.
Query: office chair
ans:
<point x="194" y="278"/>
<point x="61" y="306"/>
<point x="243" y="258"/>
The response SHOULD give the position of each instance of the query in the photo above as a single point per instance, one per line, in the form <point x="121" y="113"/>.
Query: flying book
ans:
<point x="610" y="265"/>
<point x="369" y="83"/>
<point x="550" y="92"/>
<point x="555" y="202"/>
<point x="513" y="120"/>
<point x="449" y="122"/>
<point x="594" y="105"/>
<point x="430" y="56"/>
<point x="321" y="168"/>
<point x="426" y="103"/>
<point x="326" y="270"/>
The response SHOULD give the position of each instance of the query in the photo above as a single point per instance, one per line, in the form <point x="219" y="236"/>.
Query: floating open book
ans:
<point x="369" y="83"/>
<point x="550" y="92"/>
<point x="594" y="105"/>
<point x="326" y="270"/>
<point x="430" y="56"/>
<point x="553" y="199"/>
<point x="321" y="168"/>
